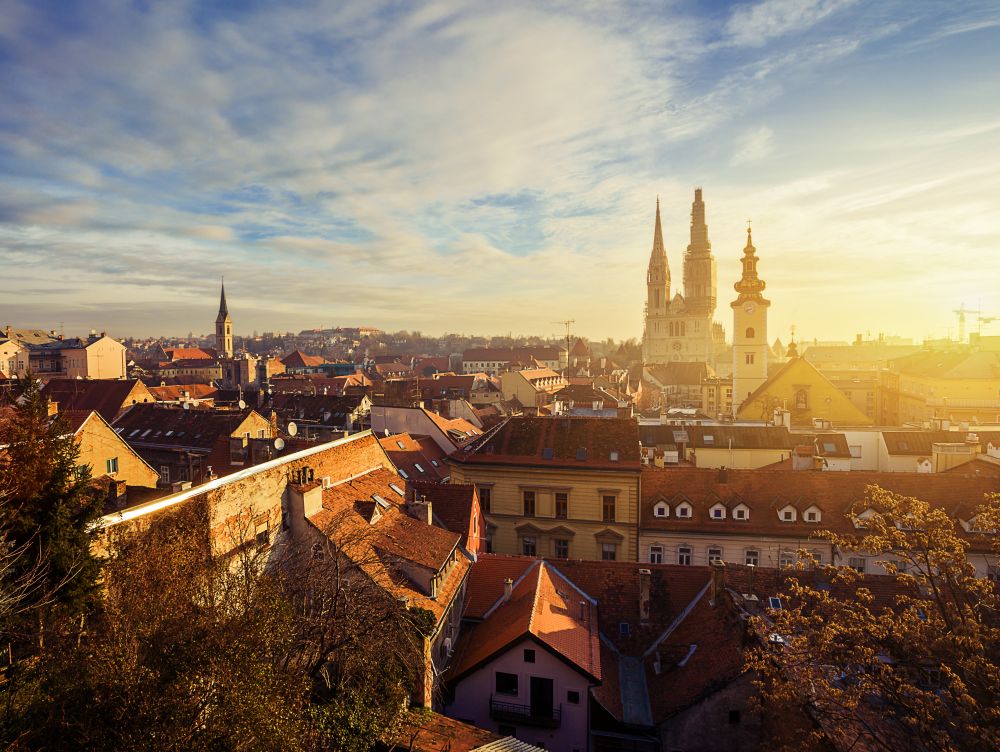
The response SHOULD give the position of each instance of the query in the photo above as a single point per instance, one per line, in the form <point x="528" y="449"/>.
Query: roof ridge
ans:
<point x="534" y="601"/>
<point x="677" y="621"/>
<point x="513" y="587"/>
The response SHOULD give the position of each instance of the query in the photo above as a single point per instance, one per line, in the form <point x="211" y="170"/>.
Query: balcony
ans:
<point x="509" y="712"/>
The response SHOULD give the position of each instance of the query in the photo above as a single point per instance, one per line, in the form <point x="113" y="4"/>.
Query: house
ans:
<point x="395" y="545"/>
<point x="911" y="451"/>
<point x="448" y="433"/>
<point x="532" y="388"/>
<point x="477" y="388"/>
<point x="721" y="445"/>
<point x="294" y="499"/>
<point x="416" y="457"/>
<point x="677" y="383"/>
<point x="104" y="451"/>
<point x="960" y="385"/>
<point x="588" y="401"/>
<point x="322" y="415"/>
<point x="179" y="394"/>
<point x="13" y="358"/>
<point x="297" y="361"/>
<point x="560" y="487"/>
<point x="805" y="393"/>
<point x="527" y="665"/>
<point x="455" y="507"/>
<point x="171" y="354"/>
<point x="109" y="397"/>
<point x="763" y="517"/>
<point x="494" y="360"/>
<point x="97" y="356"/>
<point x="189" y="445"/>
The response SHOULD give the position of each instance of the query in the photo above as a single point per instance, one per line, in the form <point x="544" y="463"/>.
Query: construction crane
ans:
<point x="961" y="320"/>
<point x="986" y="320"/>
<point x="566" y="324"/>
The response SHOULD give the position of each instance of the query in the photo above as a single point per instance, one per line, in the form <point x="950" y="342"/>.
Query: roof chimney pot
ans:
<point x="508" y="588"/>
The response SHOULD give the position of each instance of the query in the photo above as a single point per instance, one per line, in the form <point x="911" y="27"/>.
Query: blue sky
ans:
<point x="493" y="167"/>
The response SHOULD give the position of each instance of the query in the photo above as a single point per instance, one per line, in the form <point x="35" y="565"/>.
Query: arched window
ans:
<point x="750" y="332"/>
<point x="801" y="400"/>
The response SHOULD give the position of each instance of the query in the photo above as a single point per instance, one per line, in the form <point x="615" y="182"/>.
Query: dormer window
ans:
<point x="813" y="514"/>
<point x="684" y="510"/>
<point x="717" y="512"/>
<point x="661" y="510"/>
<point x="787" y="514"/>
<point x="741" y="512"/>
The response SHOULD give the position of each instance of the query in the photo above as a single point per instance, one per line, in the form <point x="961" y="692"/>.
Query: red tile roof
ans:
<point x="558" y="442"/>
<point x="452" y="503"/>
<point x="416" y="450"/>
<point x="423" y="731"/>
<point x="175" y="392"/>
<point x="765" y="491"/>
<point x="298" y="359"/>
<point x="544" y="606"/>
<point x="105" y="396"/>
<point x="190" y="353"/>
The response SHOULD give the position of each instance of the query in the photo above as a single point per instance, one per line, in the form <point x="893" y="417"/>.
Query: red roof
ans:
<point x="606" y="443"/>
<point x="298" y="359"/>
<point x="416" y="457"/>
<point x="190" y="353"/>
<point x="544" y="606"/>
<point x="105" y="396"/>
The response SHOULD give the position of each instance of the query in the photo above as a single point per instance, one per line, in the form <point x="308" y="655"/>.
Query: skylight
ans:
<point x="380" y="501"/>
<point x="419" y="469"/>
<point x="402" y="472"/>
<point x="400" y="444"/>
<point x="774" y="603"/>
<point x="396" y="488"/>
<point x="829" y="446"/>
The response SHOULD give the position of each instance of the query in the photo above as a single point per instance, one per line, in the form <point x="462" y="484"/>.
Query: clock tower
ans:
<point x="749" y="329"/>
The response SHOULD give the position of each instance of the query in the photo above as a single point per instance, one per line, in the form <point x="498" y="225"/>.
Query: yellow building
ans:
<point x="13" y="358"/>
<point x="106" y="453"/>
<point x="532" y="387"/>
<point x="807" y="395"/>
<point x="958" y="386"/>
<point x="557" y="487"/>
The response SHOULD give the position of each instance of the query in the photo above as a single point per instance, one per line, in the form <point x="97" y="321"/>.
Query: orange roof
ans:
<point x="545" y="606"/>
<point x="416" y="458"/>
<point x="298" y="359"/>
<point x="458" y="430"/>
<point x="189" y="353"/>
<point x="177" y="391"/>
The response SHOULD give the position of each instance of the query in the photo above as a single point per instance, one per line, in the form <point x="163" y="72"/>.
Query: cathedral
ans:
<point x="682" y="328"/>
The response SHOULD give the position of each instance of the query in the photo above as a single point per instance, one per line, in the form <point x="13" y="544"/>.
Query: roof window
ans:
<point x="380" y="501"/>
<point x="613" y="456"/>
<point x="547" y="453"/>
<point x="774" y="603"/>
<point x="402" y="473"/>
<point x="400" y="444"/>
<point x="417" y="466"/>
<point x="396" y="488"/>
<point x="829" y="446"/>
<point x="581" y="453"/>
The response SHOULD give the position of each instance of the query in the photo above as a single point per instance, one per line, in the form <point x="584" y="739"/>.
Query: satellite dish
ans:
<point x="279" y="443"/>
<point x="292" y="429"/>
<point x="242" y="404"/>
<point x="187" y="405"/>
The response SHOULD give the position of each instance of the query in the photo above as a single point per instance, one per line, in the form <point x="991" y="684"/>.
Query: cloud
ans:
<point x="754" y="25"/>
<point x="753" y="146"/>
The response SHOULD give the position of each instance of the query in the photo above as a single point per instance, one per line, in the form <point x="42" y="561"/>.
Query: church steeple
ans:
<point x="658" y="272"/>
<point x="699" y="264"/>
<point x="750" y="286"/>
<point x="224" y="328"/>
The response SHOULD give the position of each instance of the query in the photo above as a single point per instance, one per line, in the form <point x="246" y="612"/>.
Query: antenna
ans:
<point x="566" y="323"/>
<point x="187" y="405"/>
<point x="279" y="443"/>
<point x="292" y="429"/>
<point x="242" y="404"/>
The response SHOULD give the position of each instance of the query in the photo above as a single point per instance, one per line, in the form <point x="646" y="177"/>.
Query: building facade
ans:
<point x="750" y="348"/>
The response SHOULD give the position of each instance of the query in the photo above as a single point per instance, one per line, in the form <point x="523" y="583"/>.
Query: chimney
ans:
<point x="644" y="581"/>
<point x="583" y="610"/>
<point x="718" y="580"/>
<point x="723" y="475"/>
<point x="508" y="588"/>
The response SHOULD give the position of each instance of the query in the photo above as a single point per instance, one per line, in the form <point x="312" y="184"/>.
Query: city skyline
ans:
<point x="450" y="168"/>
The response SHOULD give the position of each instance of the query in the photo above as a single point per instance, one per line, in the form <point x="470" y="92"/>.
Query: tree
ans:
<point x="51" y="505"/>
<point x="917" y="671"/>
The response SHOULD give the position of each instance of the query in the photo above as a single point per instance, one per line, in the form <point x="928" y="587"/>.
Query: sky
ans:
<point x="488" y="168"/>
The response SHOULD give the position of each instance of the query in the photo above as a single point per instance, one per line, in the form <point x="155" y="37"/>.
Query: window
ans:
<point x="752" y="557"/>
<point x="506" y="684"/>
<point x="812" y="516"/>
<point x="529" y="503"/>
<point x="529" y="545"/>
<point x="683" y="511"/>
<point x="112" y="465"/>
<point x="750" y="332"/>
<point x="529" y="655"/>
<point x="573" y="697"/>
<point x="609" y="508"/>
<point x="740" y="514"/>
<point x="624" y="628"/>
<point x="165" y="473"/>
<point x="418" y="468"/>
<point x="562" y="505"/>
<point x="660" y="510"/>
<point x="485" y="497"/>
<point x="714" y="554"/>
<point x="718" y="513"/>
<point x="857" y="562"/>
<point x="788" y="515"/>
<point x="684" y="555"/>
<point x="656" y="554"/>
<point x="262" y="536"/>
<point x="561" y="548"/>
<point x="749" y="359"/>
<point x="801" y="400"/>
<point x="609" y="551"/>
<point x="786" y="559"/>
<point x="400" y="444"/>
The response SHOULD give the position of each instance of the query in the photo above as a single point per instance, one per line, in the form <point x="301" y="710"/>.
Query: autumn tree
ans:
<point x="917" y="670"/>
<point x="50" y="506"/>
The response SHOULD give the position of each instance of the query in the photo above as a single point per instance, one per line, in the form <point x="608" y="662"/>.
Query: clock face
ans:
<point x="749" y="307"/>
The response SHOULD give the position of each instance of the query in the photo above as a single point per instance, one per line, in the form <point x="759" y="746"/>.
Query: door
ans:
<point x="541" y="697"/>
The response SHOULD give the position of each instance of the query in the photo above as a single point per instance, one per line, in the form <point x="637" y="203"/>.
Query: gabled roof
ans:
<point x="174" y="392"/>
<point x="321" y="409"/>
<point x="544" y="606"/>
<point x="152" y="424"/>
<point x="190" y="353"/>
<point x="416" y="450"/>
<point x="452" y="503"/>
<point x="567" y="442"/>
<point x="298" y="359"/>
<point x="679" y="373"/>
<point x="921" y="443"/>
<point x="105" y="396"/>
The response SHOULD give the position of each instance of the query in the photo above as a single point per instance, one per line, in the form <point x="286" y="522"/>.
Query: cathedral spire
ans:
<point x="223" y="308"/>
<point x="659" y="252"/>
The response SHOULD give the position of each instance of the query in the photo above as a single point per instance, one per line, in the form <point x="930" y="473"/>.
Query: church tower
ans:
<point x="224" y="328"/>
<point x="657" y="273"/>
<point x="749" y="329"/>
<point x="699" y="264"/>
